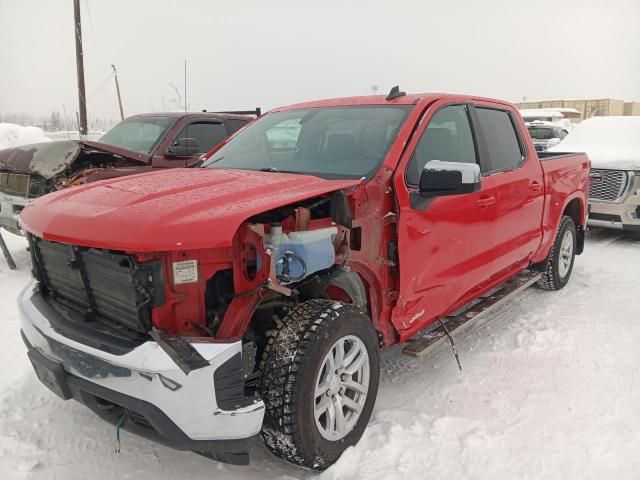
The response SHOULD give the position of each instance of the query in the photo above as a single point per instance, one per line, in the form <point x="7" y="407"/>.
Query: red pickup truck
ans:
<point x="201" y="307"/>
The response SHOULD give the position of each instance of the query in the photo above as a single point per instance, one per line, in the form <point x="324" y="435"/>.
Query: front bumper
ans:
<point x="10" y="207"/>
<point x="158" y="400"/>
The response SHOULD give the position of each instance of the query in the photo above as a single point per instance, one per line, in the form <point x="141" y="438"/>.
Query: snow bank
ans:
<point x="12" y="135"/>
<point x="610" y="142"/>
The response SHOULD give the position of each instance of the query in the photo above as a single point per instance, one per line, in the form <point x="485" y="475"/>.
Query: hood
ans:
<point x="609" y="142"/>
<point x="178" y="209"/>
<point x="614" y="158"/>
<point x="50" y="158"/>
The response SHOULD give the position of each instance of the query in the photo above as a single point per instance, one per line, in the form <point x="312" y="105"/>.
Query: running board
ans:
<point x="423" y="344"/>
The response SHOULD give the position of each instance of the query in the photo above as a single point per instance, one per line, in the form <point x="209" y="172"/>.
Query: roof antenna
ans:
<point x="395" y="93"/>
<point x="186" y="114"/>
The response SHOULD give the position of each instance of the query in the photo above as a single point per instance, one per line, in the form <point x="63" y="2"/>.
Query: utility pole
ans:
<point x="115" y="74"/>
<point x="82" y="99"/>
<point x="7" y="254"/>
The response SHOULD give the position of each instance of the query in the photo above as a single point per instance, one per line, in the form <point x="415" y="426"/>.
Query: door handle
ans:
<point x="485" y="201"/>
<point x="535" y="187"/>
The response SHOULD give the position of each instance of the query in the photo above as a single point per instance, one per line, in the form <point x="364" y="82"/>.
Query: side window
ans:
<point x="448" y="137"/>
<point x="234" y="125"/>
<point x="505" y="152"/>
<point x="208" y="135"/>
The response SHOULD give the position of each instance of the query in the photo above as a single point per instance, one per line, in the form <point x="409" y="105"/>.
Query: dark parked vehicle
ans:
<point x="137" y="144"/>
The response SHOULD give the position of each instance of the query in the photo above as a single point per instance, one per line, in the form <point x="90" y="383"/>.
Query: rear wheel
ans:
<point x="561" y="258"/>
<point x="320" y="373"/>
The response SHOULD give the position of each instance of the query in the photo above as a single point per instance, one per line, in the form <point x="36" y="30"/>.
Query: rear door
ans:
<point x="516" y="179"/>
<point x="445" y="243"/>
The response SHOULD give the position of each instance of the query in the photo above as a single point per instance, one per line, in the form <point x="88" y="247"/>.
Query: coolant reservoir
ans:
<point x="299" y="254"/>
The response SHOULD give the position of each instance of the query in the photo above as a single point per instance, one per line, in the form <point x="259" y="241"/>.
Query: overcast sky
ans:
<point x="248" y="53"/>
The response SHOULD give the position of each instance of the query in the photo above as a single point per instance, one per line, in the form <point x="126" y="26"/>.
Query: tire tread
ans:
<point x="548" y="279"/>
<point x="285" y="350"/>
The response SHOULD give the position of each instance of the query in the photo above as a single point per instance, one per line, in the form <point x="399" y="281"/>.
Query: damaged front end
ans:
<point x="171" y="341"/>
<point x="30" y="171"/>
<point x="89" y="325"/>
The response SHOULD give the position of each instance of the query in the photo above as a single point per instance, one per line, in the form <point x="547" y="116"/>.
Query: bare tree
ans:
<point x="178" y="100"/>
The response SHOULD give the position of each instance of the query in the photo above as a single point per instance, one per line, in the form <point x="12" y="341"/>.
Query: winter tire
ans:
<point x="319" y="381"/>
<point x="561" y="258"/>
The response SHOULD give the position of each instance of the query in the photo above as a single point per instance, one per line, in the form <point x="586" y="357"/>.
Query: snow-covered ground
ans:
<point x="550" y="390"/>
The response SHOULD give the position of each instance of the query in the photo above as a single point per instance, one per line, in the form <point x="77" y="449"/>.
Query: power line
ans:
<point x="101" y="86"/>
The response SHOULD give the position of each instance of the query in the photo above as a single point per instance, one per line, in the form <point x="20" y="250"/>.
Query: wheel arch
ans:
<point x="356" y="285"/>
<point x="575" y="209"/>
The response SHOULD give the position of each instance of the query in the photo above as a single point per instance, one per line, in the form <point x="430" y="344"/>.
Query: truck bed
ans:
<point x="546" y="155"/>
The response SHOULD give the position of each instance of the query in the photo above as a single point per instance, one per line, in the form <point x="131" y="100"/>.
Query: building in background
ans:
<point x="597" y="107"/>
<point x="565" y="116"/>
<point x="632" y="109"/>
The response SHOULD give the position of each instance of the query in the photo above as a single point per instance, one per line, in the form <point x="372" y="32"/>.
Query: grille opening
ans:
<point x="116" y="410"/>
<point x="106" y="289"/>
<point x="138" y="418"/>
<point x="21" y="184"/>
<point x="607" y="185"/>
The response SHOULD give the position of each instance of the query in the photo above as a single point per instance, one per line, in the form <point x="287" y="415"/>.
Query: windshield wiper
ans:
<point x="211" y="162"/>
<point x="276" y="170"/>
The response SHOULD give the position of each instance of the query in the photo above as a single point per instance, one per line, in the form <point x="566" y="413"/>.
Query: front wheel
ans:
<point x="320" y="373"/>
<point x="561" y="258"/>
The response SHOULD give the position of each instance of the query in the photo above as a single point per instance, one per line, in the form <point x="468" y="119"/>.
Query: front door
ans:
<point x="445" y="243"/>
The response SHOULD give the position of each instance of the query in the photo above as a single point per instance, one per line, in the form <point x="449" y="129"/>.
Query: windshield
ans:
<point x="139" y="134"/>
<point x="541" y="133"/>
<point x="332" y="142"/>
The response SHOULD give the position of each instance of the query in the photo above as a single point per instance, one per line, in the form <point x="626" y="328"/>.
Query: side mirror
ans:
<point x="183" y="147"/>
<point x="449" y="178"/>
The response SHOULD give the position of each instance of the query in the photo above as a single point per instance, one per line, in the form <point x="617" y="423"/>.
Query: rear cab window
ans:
<point x="506" y="151"/>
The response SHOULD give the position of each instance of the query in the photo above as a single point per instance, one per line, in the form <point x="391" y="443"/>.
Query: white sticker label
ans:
<point x="185" y="272"/>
